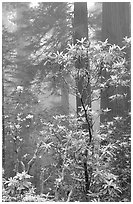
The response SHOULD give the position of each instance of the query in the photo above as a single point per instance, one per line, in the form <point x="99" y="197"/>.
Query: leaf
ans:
<point x="20" y="187"/>
<point x="26" y="184"/>
<point x="106" y="110"/>
<point x="116" y="96"/>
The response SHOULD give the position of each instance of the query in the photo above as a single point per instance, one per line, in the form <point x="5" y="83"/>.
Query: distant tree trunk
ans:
<point x="65" y="98"/>
<point x="115" y="21"/>
<point x="115" y="26"/>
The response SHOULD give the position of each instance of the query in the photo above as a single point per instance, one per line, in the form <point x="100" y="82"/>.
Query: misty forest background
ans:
<point x="66" y="101"/>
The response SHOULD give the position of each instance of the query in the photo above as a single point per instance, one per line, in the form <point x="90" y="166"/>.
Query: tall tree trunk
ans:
<point x="80" y="21"/>
<point x="115" y="26"/>
<point x="3" y="136"/>
<point x="115" y="21"/>
<point x="81" y="31"/>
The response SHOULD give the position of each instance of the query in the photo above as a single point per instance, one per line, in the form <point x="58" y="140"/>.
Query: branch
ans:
<point x="46" y="178"/>
<point x="69" y="195"/>
<point x="87" y="183"/>
<point x="86" y="117"/>
<point x="32" y="160"/>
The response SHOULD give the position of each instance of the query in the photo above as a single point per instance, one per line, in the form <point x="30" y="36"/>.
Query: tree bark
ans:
<point x="81" y="31"/>
<point x="115" y="26"/>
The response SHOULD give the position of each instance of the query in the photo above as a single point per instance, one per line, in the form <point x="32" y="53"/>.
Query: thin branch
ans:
<point x="86" y="117"/>
<point x="32" y="160"/>
<point x="46" y="178"/>
<point x="69" y="195"/>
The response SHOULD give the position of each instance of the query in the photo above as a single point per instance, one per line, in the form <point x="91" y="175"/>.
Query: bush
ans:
<point x="81" y="169"/>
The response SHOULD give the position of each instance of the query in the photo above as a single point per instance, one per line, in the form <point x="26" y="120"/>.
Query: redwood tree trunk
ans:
<point x="81" y="31"/>
<point x="115" y="26"/>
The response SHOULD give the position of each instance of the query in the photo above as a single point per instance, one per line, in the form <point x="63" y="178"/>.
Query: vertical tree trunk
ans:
<point x="81" y="31"/>
<point x="115" y="21"/>
<point x="65" y="98"/>
<point x="80" y="21"/>
<point x="115" y="26"/>
<point x="3" y="136"/>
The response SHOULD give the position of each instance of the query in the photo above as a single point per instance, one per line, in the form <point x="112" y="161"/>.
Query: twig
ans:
<point x="46" y="179"/>
<point x="69" y="195"/>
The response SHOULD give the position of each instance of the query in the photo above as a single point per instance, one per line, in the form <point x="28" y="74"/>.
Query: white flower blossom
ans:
<point x="29" y="116"/>
<point x="20" y="88"/>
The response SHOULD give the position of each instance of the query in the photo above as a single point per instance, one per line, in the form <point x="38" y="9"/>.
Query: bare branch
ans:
<point x="69" y="195"/>
<point x="32" y="160"/>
